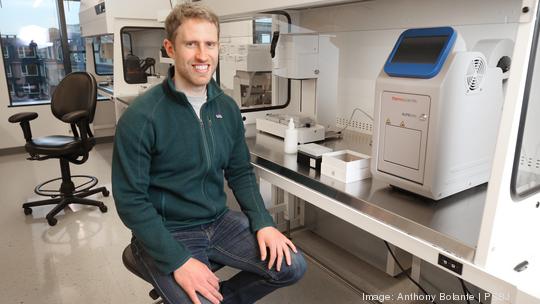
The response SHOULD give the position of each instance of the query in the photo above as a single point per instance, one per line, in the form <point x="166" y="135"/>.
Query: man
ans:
<point x="173" y="147"/>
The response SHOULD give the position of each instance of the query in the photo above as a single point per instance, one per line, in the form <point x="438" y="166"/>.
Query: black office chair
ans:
<point x="129" y="261"/>
<point x="73" y="102"/>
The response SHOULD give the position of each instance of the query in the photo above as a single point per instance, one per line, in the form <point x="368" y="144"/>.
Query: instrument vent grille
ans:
<point x="475" y="74"/>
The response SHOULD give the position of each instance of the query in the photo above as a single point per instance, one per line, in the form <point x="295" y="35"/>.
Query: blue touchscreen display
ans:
<point x="420" y="53"/>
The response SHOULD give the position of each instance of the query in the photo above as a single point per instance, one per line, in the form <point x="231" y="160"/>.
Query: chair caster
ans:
<point x="103" y="208"/>
<point x="153" y="294"/>
<point x="52" y="221"/>
<point x="105" y="193"/>
<point x="27" y="211"/>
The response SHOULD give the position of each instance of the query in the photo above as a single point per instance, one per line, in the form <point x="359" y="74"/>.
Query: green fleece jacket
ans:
<point x="168" y="168"/>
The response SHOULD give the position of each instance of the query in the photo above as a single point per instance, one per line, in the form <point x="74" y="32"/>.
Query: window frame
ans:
<point x="516" y="195"/>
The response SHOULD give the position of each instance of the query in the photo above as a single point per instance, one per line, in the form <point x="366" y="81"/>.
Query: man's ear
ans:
<point x="169" y="47"/>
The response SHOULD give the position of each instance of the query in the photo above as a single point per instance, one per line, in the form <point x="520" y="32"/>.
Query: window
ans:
<point x="245" y="63"/>
<point x="262" y="30"/>
<point x="526" y="172"/>
<point x="30" y="88"/>
<point x="5" y="51"/>
<point x="139" y="53"/>
<point x="77" y="53"/>
<point x="29" y="70"/>
<point x="26" y="52"/>
<point x="49" y="53"/>
<point x="37" y="41"/>
<point x="103" y="54"/>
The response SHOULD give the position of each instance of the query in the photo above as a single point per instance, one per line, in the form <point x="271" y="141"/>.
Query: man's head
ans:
<point x="192" y="41"/>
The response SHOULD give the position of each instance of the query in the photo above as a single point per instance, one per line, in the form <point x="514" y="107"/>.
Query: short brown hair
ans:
<point x="182" y="12"/>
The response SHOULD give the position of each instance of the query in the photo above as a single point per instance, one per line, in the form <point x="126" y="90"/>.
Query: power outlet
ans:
<point x="450" y="264"/>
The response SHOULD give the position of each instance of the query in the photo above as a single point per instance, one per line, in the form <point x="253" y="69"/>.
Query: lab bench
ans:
<point x="423" y="227"/>
<point x="452" y="223"/>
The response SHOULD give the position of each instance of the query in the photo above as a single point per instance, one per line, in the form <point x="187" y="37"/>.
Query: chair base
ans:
<point x="65" y="200"/>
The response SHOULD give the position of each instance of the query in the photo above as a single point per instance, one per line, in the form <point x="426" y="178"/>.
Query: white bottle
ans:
<point x="291" y="138"/>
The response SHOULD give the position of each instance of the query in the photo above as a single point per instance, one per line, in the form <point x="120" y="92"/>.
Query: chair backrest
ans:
<point x="76" y="92"/>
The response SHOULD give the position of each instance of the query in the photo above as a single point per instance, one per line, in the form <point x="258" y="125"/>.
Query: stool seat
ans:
<point x="131" y="264"/>
<point x="129" y="261"/>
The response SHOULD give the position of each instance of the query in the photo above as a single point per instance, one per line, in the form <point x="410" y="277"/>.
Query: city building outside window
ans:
<point x="46" y="45"/>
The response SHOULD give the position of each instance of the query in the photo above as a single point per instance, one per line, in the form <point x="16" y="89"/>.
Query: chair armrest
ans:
<point x="24" y="119"/>
<point x="74" y="117"/>
<point x="21" y="117"/>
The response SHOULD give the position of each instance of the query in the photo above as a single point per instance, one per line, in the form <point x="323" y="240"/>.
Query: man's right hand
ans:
<point x="194" y="276"/>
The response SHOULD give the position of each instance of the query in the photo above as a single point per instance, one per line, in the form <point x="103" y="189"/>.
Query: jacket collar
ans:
<point x="212" y="88"/>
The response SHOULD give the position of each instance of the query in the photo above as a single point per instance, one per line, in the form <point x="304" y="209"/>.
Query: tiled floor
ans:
<point x="78" y="261"/>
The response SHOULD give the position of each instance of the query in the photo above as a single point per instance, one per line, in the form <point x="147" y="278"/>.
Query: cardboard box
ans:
<point x="346" y="165"/>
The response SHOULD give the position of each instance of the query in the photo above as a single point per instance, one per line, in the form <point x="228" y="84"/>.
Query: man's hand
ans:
<point x="194" y="277"/>
<point x="278" y="245"/>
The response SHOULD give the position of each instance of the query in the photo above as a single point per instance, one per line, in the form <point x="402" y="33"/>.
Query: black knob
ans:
<point x="504" y="63"/>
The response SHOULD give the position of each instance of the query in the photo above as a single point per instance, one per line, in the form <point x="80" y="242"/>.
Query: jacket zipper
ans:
<point x="205" y="144"/>
<point x="205" y="141"/>
<point x="211" y="129"/>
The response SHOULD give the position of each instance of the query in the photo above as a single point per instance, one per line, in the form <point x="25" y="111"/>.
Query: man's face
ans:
<point x="195" y="52"/>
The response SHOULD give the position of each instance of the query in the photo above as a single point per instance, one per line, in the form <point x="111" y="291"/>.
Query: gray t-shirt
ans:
<point x="196" y="103"/>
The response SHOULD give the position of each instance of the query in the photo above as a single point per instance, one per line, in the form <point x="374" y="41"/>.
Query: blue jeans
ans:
<point x="227" y="241"/>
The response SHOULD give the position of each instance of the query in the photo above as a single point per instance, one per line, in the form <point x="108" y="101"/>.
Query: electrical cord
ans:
<point x="465" y="290"/>
<point x="468" y="292"/>
<point x="403" y="270"/>
<point x="352" y="114"/>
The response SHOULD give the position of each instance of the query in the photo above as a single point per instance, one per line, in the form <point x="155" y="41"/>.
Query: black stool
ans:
<point x="73" y="102"/>
<point x="129" y="261"/>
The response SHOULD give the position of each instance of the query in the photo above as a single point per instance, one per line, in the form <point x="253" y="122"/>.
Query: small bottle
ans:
<point x="291" y="138"/>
